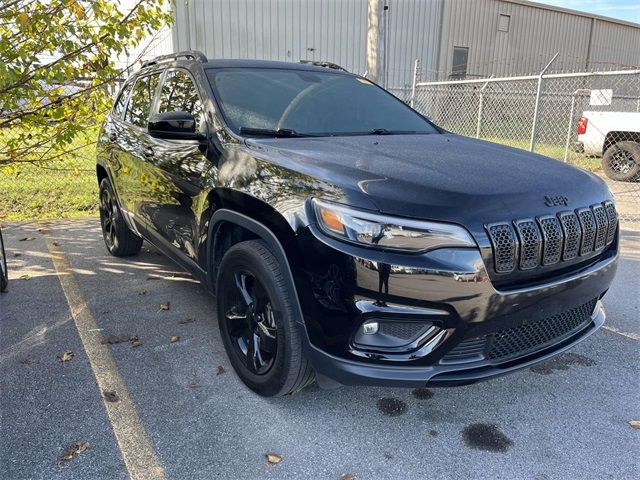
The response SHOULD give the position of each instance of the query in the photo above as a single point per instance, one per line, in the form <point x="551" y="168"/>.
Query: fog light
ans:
<point x="370" y="328"/>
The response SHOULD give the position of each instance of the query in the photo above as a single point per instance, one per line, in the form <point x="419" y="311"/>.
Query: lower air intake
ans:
<point x="525" y="339"/>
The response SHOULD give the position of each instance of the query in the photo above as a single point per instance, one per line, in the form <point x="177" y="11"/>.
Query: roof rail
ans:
<point x="321" y="63"/>
<point x="188" y="54"/>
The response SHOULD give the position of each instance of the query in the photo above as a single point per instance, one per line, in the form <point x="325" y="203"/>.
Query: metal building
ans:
<point x="451" y="38"/>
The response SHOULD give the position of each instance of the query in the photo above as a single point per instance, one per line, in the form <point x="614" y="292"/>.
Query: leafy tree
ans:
<point x="58" y="69"/>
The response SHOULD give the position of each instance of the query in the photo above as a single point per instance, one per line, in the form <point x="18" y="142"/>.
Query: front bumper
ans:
<point x="348" y="372"/>
<point x="341" y="287"/>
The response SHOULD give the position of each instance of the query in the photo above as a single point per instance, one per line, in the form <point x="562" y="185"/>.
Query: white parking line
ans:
<point x="134" y="444"/>
<point x="633" y="336"/>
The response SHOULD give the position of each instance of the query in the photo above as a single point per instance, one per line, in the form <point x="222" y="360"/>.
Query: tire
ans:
<point x="621" y="162"/>
<point x="255" y="313"/>
<point x="118" y="237"/>
<point x="4" y="273"/>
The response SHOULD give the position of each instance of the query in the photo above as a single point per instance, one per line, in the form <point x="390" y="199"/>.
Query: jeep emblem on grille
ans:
<point x="555" y="200"/>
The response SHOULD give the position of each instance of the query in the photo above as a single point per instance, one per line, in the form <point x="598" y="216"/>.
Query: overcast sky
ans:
<point x="628" y="10"/>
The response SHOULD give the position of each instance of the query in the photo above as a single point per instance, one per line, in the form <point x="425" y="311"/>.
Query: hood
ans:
<point x="442" y="177"/>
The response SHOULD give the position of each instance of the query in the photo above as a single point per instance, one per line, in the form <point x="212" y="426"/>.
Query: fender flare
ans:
<point x="259" y="229"/>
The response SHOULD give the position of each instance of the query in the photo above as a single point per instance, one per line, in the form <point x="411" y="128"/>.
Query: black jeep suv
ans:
<point x="345" y="236"/>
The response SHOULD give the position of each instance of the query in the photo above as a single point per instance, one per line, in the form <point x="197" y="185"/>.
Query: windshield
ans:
<point x="266" y="101"/>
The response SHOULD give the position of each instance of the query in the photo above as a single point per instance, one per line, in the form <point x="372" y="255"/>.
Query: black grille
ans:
<point x="612" y="216"/>
<point x="588" y="225"/>
<point x="572" y="235"/>
<point x="525" y="339"/>
<point x="528" y="244"/>
<point x="402" y="330"/>
<point x="602" y="224"/>
<point x="469" y="350"/>
<point x="552" y="239"/>
<point x="504" y="247"/>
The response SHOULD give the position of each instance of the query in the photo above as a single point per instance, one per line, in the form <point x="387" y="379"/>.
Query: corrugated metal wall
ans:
<point x="336" y="31"/>
<point x="287" y="30"/>
<point x="535" y="35"/>
<point x="413" y="33"/>
<point x="614" y="46"/>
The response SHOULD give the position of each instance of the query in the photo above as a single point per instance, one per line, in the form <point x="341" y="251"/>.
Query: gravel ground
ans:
<point x="567" y="418"/>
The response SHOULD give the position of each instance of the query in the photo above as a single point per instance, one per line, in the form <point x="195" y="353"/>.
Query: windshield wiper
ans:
<point x="281" y="132"/>
<point x="384" y="131"/>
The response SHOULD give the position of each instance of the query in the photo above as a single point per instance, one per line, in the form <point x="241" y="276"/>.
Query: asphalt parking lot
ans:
<point x="180" y="411"/>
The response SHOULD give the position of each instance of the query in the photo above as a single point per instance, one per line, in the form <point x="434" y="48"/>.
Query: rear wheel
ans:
<point x="257" y="323"/>
<point x="4" y="273"/>
<point x="118" y="237"/>
<point x="621" y="162"/>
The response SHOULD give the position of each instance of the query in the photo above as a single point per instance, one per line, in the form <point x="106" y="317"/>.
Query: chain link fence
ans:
<point x="590" y="120"/>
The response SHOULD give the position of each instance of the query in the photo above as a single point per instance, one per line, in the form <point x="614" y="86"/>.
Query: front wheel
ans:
<point x="257" y="321"/>
<point x="621" y="162"/>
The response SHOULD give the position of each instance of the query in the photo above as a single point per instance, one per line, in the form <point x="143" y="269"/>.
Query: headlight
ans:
<point x="385" y="232"/>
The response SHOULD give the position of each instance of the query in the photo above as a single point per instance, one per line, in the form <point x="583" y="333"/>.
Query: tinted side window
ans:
<point x="179" y="94"/>
<point x="141" y="100"/>
<point x="118" y="107"/>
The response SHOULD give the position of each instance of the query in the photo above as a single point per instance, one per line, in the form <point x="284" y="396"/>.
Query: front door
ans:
<point x="179" y="168"/>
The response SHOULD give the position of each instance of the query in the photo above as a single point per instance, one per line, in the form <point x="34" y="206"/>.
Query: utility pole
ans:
<point x="377" y="40"/>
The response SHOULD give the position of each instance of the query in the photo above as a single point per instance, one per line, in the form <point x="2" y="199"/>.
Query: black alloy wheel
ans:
<point x="257" y="320"/>
<point x="108" y="218"/>
<point x="118" y="237"/>
<point x="250" y="321"/>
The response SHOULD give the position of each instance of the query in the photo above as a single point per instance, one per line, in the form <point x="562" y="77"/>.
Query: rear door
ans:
<point x="176" y="200"/>
<point x="134" y="145"/>
<point x="108" y="146"/>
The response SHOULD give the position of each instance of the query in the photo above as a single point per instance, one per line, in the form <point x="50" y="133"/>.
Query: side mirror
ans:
<point x="173" y="126"/>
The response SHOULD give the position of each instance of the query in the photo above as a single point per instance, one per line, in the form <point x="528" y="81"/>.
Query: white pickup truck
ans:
<point x="614" y="136"/>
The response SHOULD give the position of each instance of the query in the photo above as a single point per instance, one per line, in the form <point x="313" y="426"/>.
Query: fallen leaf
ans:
<point x="17" y="254"/>
<point x="65" y="356"/>
<point x="73" y="450"/>
<point x="110" y="396"/>
<point x="26" y="361"/>
<point x="273" y="458"/>
<point x="135" y="342"/>
<point x="111" y="339"/>
<point x="175" y="338"/>
<point x="194" y="385"/>
<point x="634" y="424"/>
<point x="27" y="239"/>
<point x="186" y="320"/>
<point x="220" y="370"/>
<point x="347" y="476"/>
<point x="25" y="277"/>
<point x="165" y="306"/>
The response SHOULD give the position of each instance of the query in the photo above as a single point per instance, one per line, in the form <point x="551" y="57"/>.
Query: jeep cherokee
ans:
<point x="345" y="236"/>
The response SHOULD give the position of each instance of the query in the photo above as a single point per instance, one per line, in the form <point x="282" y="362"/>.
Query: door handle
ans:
<point x="148" y="152"/>
<point x="113" y="137"/>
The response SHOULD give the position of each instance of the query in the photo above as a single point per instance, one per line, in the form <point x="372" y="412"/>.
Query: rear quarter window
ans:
<point x="141" y="100"/>
<point x="121" y="101"/>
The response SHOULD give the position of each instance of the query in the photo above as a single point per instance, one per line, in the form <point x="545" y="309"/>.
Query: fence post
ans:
<point x="570" y="126"/>
<point x="534" y="127"/>
<point x="481" y="107"/>
<point x="416" y="63"/>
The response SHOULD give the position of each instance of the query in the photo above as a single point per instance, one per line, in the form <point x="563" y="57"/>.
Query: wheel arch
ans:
<point x="245" y="228"/>
<point x="614" y="137"/>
